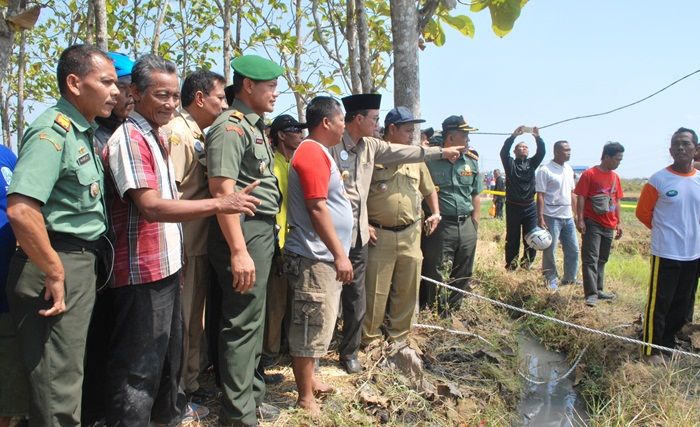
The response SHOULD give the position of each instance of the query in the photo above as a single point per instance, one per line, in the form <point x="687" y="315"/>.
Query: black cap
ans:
<point x="456" y="123"/>
<point x="364" y="101"/>
<point x="400" y="115"/>
<point x="285" y="122"/>
<point x="428" y="132"/>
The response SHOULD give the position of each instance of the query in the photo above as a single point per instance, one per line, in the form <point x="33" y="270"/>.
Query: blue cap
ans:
<point x="122" y="64"/>
<point x="400" y="115"/>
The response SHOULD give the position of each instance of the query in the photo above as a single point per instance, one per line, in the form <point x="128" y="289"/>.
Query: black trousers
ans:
<point x="670" y="290"/>
<point x="354" y="301"/>
<point x="145" y="355"/>
<point x="212" y="323"/>
<point x="498" y="202"/>
<point x="520" y="220"/>
<point x="96" y="353"/>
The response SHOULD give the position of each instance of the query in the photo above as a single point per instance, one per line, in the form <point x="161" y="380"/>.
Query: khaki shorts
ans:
<point x="14" y="381"/>
<point x="315" y="303"/>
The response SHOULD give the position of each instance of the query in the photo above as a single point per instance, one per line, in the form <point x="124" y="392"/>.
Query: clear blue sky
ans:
<point x="566" y="58"/>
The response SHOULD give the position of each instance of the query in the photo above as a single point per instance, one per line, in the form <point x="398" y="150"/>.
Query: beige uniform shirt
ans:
<point x="186" y="144"/>
<point x="396" y="194"/>
<point x="356" y="160"/>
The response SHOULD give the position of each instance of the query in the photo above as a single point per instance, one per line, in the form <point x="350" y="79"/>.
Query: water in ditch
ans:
<point x="554" y="403"/>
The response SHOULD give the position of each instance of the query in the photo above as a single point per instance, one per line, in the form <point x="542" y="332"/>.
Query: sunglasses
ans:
<point x="292" y="129"/>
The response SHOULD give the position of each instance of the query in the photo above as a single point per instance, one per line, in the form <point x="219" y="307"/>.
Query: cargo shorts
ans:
<point x="315" y="295"/>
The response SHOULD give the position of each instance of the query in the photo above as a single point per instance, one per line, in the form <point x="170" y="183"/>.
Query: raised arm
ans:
<point x="539" y="154"/>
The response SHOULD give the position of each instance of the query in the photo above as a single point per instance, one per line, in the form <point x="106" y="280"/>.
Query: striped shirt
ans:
<point x="145" y="251"/>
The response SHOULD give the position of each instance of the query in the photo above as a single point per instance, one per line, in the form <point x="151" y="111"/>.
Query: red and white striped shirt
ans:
<point x="145" y="251"/>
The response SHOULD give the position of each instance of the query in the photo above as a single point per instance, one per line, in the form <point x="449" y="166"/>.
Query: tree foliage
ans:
<point x="309" y="37"/>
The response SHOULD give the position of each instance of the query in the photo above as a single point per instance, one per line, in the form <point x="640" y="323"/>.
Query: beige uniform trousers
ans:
<point x="194" y="292"/>
<point x="392" y="283"/>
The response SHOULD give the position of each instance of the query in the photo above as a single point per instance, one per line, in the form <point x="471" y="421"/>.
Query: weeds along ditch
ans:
<point x="618" y="389"/>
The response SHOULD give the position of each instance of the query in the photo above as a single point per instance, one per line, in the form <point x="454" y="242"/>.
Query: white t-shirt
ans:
<point x="557" y="183"/>
<point x="672" y="202"/>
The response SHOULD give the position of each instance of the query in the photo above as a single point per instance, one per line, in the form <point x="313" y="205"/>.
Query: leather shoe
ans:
<point x="270" y="378"/>
<point x="267" y="413"/>
<point x="352" y="366"/>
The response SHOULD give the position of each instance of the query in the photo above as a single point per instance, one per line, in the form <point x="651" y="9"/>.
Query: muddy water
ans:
<point x="554" y="403"/>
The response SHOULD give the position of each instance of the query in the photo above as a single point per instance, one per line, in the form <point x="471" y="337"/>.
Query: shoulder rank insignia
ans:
<point x="44" y="137"/>
<point x="473" y="154"/>
<point x="174" y="139"/>
<point x="63" y="122"/>
<point x="237" y="129"/>
<point x="237" y="115"/>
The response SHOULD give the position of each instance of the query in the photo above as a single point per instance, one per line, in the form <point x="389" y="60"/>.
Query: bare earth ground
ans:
<point x="466" y="381"/>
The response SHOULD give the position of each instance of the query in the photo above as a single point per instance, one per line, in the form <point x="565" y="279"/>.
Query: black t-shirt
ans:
<point x="520" y="174"/>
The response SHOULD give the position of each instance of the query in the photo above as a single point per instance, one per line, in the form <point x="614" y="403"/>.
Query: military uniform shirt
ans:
<point x="186" y="144"/>
<point x="57" y="166"/>
<point x="456" y="183"/>
<point x="356" y="159"/>
<point x="237" y="149"/>
<point x="396" y="194"/>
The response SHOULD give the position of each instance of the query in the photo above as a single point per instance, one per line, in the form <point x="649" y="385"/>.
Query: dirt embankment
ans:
<point x="440" y="378"/>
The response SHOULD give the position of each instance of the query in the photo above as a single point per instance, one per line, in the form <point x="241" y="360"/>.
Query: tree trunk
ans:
<point x="90" y="23"/>
<point x="300" y="101"/>
<point x="404" y="24"/>
<point x="21" y="67"/>
<point x="135" y="30"/>
<point x="226" y="17"/>
<point x="5" y="114"/>
<point x="351" y="39"/>
<point x="155" y="43"/>
<point x="363" y="42"/>
<point x="101" y="37"/>
<point x="7" y="38"/>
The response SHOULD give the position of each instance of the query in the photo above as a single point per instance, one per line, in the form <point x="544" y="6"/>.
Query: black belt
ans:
<point x="524" y="204"/>
<point x="458" y="218"/>
<point x="63" y="242"/>
<point x="394" y="229"/>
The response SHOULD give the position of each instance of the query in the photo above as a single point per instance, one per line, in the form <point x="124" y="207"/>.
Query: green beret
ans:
<point x="256" y="68"/>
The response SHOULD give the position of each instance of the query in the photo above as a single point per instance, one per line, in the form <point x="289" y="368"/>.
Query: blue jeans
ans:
<point x="563" y="230"/>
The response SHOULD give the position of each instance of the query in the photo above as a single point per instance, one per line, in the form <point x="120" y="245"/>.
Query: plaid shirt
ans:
<point x="145" y="251"/>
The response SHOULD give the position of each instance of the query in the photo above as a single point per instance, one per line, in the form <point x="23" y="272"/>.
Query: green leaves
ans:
<point x="461" y="23"/>
<point x="504" y="13"/>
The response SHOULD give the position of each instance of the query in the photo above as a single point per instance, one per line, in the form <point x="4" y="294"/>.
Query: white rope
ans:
<point x="563" y="322"/>
<point x="538" y="381"/>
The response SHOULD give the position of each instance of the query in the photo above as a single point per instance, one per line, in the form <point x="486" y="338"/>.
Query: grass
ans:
<point x="618" y="389"/>
<point x="467" y="382"/>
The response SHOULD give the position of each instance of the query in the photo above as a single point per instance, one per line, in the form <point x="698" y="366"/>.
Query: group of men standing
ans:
<point x="106" y="177"/>
<point x="292" y="233"/>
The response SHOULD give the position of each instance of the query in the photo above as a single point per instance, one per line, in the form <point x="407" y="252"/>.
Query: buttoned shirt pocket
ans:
<point x="442" y="179"/>
<point x="465" y="179"/>
<point x="382" y="175"/>
<point x="263" y="159"/>
<point x="90" y="186"/>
